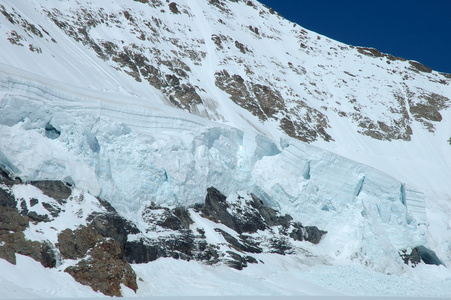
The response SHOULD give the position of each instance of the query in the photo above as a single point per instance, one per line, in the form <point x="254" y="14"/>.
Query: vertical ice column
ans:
<point x="414" y="201"/>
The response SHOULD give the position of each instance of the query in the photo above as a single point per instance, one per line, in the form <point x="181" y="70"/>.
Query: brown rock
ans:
<point x="103" y="270"/>
<point x="75" y="244"/>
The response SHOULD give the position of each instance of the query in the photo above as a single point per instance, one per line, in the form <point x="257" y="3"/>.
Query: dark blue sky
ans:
<point x="413" y="29"/>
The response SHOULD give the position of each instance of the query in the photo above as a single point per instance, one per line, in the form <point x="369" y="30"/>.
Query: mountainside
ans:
<point x="202" y="54"/>
<point x="334" y="156"/>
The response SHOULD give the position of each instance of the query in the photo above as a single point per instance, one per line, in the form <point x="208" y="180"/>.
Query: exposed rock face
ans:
<point x="216" y="209"/>
<point x="299" y="97"/>
<point x="12" y="225"/>
<point x="57" y="190"/>
<point x="303" y="122"/>
<point x="75" y="244"/>
<point x="12" y="239"/>
<point x="102" y="266"/>
<point x="104" y="270"/>
<point x="6" y="199"/>
<point x="254" y="216"/>
<point x="309" y="233"/>
<point x="100" y="245"/>
<point x="111" y="225"/>
<point x="245" y="217"/>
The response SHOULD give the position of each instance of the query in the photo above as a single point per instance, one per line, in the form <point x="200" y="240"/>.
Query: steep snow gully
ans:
<point x="134" y="156"/>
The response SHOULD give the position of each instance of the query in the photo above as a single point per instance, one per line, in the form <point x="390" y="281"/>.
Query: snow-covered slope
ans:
<point x="205" y="55"/>
<point x="140" y="102"/>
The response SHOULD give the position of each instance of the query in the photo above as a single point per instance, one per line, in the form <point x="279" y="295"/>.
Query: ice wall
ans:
<point x="132" y="155"/>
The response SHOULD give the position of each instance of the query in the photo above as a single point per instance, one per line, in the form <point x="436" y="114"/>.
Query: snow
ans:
<point x="279" y="276"/>
<point x="122" y="140"/>
<point x="366" y="220"/>
<point x="28" y="279"/>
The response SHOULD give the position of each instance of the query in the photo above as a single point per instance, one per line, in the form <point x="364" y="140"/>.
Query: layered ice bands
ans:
<point x="132" y="156"/>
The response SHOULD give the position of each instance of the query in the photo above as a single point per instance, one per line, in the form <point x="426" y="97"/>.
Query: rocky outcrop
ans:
<point x="55" y="189"/>
<point x="12" y="225"/>
<point x="12" y="239"/>
<point x="98" y="251"/>
<point x="309" y="233"/>
<point x="6" y="199"/>
<point x="104" y="270"/>
<point x="98" y="247"/>
<point x="246" y="217"/>
<point x="218" y="210"/>
<point x="102" y="265"/>
<point x="254" y="216"/>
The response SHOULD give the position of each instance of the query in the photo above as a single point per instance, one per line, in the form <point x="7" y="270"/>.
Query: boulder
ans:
<point x="309" y="233"/>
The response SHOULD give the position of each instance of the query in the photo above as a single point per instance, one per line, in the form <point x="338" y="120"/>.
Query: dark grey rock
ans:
<point x="169" y="221"/>
<point x="237" y="261"/>
<point x="37" y="217"/>
<point x="55" y="189"/>
<point x="6" y="199"/>
<point x="280" y="245"/>
<point x="271" y="216"/>
<point x="241" y="246"/>
<point x="172" y="219"/>
<point x="251" y="259"/>
<point x="48" y="257"/>
<point x="23" y="207"/>
<point x="54" y="211"/>
<point x="6" y="178"/>
<point x="184" y="217"/>
<point x="310" y="233"/>
<point x="314" y="234"/>
<point x="112" y="225"/>
<point x="215" y="208"/>
<point x="139" y="252"/>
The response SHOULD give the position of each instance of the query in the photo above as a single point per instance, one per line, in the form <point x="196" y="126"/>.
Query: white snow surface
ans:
<point x="121" y="141"/>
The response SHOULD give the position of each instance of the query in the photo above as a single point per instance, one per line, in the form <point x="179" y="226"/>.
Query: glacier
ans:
<point x="132" y="156"/>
